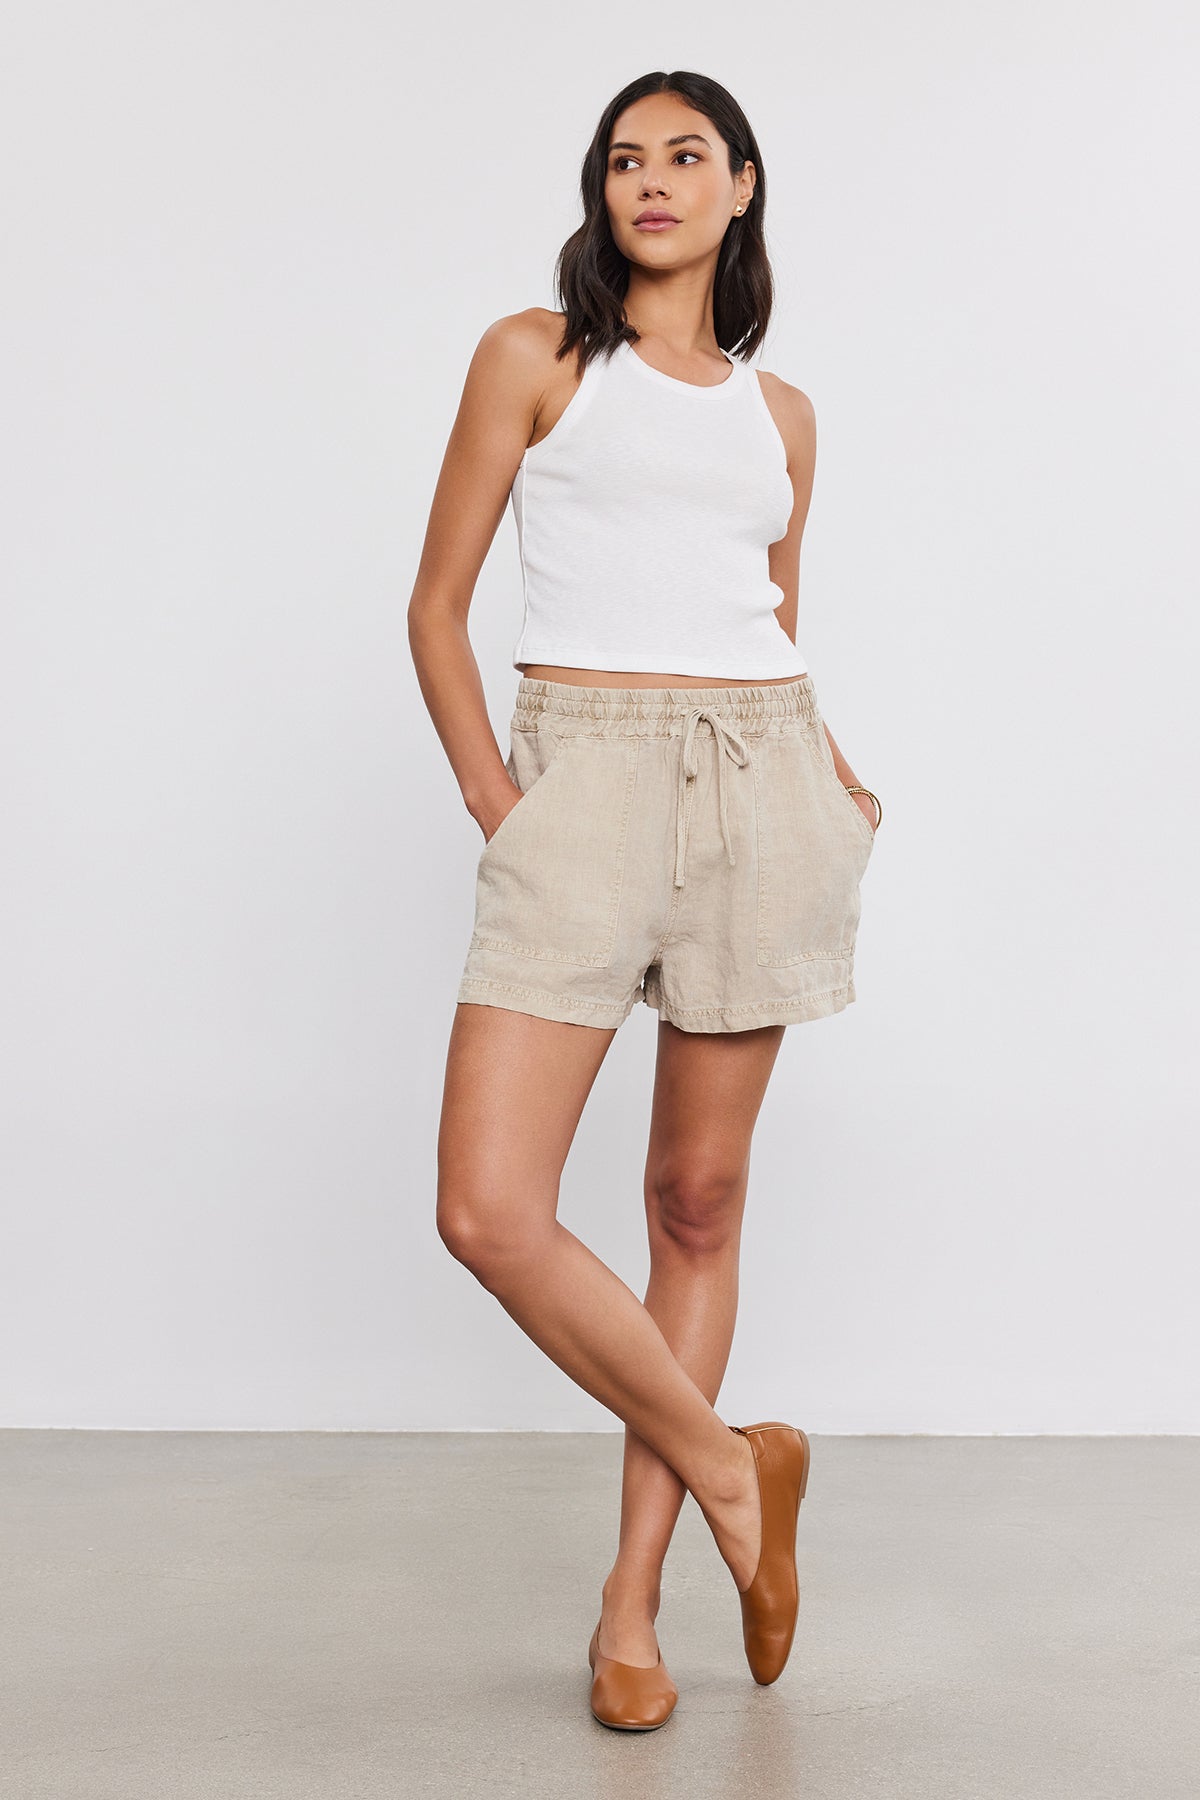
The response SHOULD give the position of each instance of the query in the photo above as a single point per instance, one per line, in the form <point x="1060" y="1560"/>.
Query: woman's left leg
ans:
<point x="708" y="1088"/>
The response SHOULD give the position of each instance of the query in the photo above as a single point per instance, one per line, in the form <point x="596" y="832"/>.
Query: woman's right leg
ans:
<point x="708" y="1090"/>
<point x="515" y="1088"/>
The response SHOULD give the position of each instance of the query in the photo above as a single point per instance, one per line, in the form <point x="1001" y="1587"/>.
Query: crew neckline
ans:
<point x="691" y="387"/>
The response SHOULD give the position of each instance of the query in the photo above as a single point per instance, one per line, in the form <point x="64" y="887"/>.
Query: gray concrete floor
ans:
<point x="306" y="1614"/>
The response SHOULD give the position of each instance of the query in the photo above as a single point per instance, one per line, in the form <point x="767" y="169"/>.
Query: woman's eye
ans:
<point x="617" y="170"/>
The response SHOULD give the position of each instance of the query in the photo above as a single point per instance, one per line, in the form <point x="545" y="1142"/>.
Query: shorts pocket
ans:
<point x="813" y="846"/>
<point x="530" y="755"/>
<point x="549" y="879"/>
<point x="818" y="743"/>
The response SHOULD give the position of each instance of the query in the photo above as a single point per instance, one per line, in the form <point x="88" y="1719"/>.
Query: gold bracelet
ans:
<point x="858" y="789"/>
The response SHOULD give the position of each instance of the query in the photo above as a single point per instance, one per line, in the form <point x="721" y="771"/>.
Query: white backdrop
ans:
<point x="248" y="251"/>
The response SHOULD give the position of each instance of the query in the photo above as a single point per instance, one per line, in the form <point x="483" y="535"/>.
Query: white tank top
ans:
<point x="643" y="520"/>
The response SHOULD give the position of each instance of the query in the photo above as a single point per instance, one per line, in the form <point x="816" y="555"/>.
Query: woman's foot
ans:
<point x="626" y="1697"/>
<point x="770" y="1602"/>
<point x="627" y="1618"/>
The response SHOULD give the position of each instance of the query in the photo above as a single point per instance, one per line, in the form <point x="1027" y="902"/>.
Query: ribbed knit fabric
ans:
<point x="643" y="521"/>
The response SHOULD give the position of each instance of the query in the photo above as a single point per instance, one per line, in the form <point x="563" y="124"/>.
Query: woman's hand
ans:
<point x="866" y="806"/>
<point x="490" y="821"/>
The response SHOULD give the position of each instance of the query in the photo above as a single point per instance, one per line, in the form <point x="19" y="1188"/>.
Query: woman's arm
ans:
<point x="495" y="420"/>
<point x="793" y="413"/>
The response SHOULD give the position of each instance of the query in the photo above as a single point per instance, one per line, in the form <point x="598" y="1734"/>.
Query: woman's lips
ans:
<point x="655" y="224"/>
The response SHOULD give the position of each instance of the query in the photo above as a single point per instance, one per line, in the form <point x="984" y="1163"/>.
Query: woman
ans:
<point x="673" y="824"/>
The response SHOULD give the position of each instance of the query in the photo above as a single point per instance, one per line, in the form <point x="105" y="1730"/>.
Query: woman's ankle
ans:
<point x="727" y="1482"/>
<point x="632" y="1589"/>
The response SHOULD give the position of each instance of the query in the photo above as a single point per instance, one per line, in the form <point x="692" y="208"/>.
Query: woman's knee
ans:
<point x="482" y="1233"/>
<point x="697" y="1209"/>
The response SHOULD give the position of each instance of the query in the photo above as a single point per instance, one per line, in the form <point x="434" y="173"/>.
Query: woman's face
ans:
<point x="665" y="157"/>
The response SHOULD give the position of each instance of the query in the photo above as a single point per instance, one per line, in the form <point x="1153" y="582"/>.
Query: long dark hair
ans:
<point x="592" y="276"/>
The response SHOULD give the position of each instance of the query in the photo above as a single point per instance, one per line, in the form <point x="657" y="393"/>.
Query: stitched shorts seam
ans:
<point x="545" y="994"/>
<point x="756" y="1006"/>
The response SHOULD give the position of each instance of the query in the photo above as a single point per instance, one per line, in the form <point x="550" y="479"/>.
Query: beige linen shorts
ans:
<point x="692" y="848"/>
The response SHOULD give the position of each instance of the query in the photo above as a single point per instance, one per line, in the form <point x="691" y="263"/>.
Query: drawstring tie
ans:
<point x="728" y="743"/>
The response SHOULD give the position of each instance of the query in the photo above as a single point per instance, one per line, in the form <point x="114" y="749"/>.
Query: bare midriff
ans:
<point x="634" y="678"/>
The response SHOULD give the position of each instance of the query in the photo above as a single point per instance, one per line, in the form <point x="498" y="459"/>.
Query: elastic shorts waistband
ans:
<point x="666" y="705"/>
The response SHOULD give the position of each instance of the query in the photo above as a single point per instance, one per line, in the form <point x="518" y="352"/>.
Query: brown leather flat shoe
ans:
<point x="626" y="1697"/>
<point x="771" y="1602"/>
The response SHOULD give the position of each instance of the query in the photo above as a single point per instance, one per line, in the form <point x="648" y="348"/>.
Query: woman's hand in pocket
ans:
<point x="490" y="821"/>
<point x="866" y="807"/>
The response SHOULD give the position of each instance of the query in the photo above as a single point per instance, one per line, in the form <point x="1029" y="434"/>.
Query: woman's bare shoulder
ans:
<point x="527" y="339"/>
<point x="793" y="400"/>
<point x="794" y="415"/>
